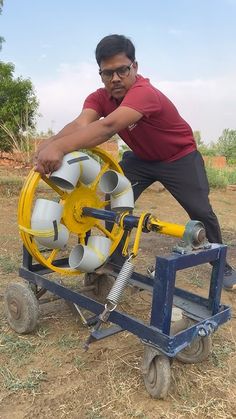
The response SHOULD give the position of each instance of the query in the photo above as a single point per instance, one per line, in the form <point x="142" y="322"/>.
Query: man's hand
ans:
<point x="48" y="159"/>
<point x="44" y="143"/>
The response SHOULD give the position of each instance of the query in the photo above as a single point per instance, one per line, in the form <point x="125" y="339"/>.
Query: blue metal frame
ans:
<point x="208" y="313"/>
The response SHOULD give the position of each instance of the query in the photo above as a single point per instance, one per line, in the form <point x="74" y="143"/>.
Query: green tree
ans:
<point x="205" y="149"/>
<point x="18" y="109"/>
<point x="226" y="144"/>
<point x="208" y="149"/>
<point x="197" y="137"/>
<point x="1" y="37"/>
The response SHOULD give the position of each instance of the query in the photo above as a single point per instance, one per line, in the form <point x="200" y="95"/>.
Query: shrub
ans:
<point x="216" y="178"/>
<point x="220" y="178"/>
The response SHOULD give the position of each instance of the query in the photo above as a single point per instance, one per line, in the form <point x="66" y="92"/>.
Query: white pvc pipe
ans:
<point x="123" y="201"/>
<point x="47" y="211"/>
<point x="116" y="184"/>
<point x="90" y="169"/>
<point x="46" y="216"/>
<point x="58" y="240"/>
<point x="76" y="166"/>
<point x="67" y="176"/>
<point x="87" y="258"/>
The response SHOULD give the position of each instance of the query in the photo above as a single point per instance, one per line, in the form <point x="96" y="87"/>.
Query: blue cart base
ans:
<point x="207" y="313"/>
<point x="188" y="339"/>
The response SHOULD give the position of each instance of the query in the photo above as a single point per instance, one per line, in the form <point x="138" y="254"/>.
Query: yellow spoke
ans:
<point x="103" y="204"/>
<point x="81" y="238"/>
<point x="52" y="185"/>
<point x="52" y="255"/>
<point x="102" y="171"/>
<point x="105" y="231"/>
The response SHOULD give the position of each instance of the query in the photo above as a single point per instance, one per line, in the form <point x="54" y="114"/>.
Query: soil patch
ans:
<point x="47" y="374"/>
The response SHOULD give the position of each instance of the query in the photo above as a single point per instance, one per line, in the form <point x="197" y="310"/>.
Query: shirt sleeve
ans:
<point x="143" y="99"/>
<point x="93" y="102"/>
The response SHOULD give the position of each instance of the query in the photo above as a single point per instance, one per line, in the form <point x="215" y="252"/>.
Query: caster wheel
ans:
<point x="102" y="285"/>
<point x="21" y="308"/>
<point x="198" y="350"/>
<point x="156" y="375"/>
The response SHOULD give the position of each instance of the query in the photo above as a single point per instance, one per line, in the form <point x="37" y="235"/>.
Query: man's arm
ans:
<point x="85" y="136"/>
<point x="86" y="117"/>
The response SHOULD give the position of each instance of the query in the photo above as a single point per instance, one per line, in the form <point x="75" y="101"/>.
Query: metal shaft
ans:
<point x="130" y="221"/>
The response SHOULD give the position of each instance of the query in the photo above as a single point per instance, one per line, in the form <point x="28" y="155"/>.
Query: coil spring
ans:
<point x="121" y="282"/>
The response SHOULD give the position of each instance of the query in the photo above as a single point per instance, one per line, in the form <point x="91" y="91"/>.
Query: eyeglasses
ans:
<point x="122" y="72"/>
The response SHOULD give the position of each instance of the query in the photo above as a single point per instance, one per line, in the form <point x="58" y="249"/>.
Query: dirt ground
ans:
<point x="47" y="374"/>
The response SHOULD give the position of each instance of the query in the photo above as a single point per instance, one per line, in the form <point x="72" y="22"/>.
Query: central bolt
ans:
<point x="77" y="213"/>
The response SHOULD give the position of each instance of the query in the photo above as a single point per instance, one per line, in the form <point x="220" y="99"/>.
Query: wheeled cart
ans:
<point x="188" y="339"/>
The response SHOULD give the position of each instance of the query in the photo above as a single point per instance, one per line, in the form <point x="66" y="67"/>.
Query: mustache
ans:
<point x="117" y="84"/>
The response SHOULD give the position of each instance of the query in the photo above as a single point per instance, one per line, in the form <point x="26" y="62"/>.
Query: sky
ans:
<point x="186" y="47"/>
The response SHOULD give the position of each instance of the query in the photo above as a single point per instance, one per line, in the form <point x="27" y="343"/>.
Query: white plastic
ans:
<point x="46" y="210"/>
<point x="47" y="216"/>
<point x="75" y="166"/>
<point x="67" y="176"/>
<point x="87" y="258"/>
<point x="116" y="184"/>
<point x="50" y="242"/>
<point x="90" y="169"/>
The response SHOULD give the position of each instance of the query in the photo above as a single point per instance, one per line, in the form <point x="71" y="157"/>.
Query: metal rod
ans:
<point x="130" y="221"/>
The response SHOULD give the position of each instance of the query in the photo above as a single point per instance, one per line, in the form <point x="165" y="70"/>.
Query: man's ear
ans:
<point x="135" y="65"/>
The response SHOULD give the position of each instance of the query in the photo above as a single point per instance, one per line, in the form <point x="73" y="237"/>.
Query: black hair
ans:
<point x="112" y="45"/>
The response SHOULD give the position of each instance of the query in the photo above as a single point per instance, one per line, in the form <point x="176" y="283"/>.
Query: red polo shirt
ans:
<point x="161" y="134"/>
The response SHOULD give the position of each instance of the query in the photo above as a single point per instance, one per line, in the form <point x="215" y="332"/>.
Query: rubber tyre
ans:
<point x="21" y="308"/>
<point x="103" y="283"/>
<point x="157" y="378"/>
<point x="198" y="350"/>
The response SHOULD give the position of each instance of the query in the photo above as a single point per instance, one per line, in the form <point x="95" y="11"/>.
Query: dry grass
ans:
<point x="47" y="374"/>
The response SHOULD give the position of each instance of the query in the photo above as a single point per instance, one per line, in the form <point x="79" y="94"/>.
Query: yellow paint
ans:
<point x="73" y="203"/>
<point x="162" y="227"/>
<point x="72" y="214"/>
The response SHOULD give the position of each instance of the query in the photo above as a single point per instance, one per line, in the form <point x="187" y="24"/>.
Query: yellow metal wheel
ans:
<point x="73" y="203"/>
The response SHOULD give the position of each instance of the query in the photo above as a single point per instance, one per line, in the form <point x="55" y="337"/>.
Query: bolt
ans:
<point x="202" y="332"/>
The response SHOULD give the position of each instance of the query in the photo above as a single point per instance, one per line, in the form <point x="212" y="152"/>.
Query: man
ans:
<point x="162" y="143"/>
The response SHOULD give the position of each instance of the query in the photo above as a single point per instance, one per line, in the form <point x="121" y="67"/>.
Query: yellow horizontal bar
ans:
<point x="169" y="229"/>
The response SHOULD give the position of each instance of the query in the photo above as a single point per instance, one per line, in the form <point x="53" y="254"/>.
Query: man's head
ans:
<point x="112" y="45"/>
<point x="115" y="55"/>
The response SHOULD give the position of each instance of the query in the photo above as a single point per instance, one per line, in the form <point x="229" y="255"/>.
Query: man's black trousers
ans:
<point x="185" y="179"/>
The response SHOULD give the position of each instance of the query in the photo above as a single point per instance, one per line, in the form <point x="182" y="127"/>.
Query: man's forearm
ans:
<point x="67" y="130"/>
<point x="85" y="137"/>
